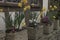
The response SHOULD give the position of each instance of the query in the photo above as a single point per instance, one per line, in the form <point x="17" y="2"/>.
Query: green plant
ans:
<point x="50" y="14"/>
<point x="19" y="19"/>
<point x="9" y="23"/>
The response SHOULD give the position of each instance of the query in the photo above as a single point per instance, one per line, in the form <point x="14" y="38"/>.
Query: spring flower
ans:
<point x="1" y="10"/>
<point x="25" y="8"/>
<point x="20" y="4"/>
<point x="28" y="6"/>
<point x="32" y="4"/>
<point x="24" y="1"/>
<point x="55" y="7"/>
<point x="24" y="24"/>
<point x="50" y="6"/>
<point x="52" y="9"/>
<point x="43" y="9"/>
<point x="54" y="17"/>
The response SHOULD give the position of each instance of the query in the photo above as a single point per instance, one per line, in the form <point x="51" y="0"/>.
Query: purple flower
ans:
<point x="45" y="19"/>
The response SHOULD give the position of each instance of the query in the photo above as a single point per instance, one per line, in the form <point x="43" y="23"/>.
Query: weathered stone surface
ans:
<point x="51" y="36"/>
<point x="35" y="33"/>
<point x="56" y="24"/>
<point x="22" y="35"/>
<point x="2" y="35"/>
<point x="10" y="36"/>
<point x="47" y="28"/>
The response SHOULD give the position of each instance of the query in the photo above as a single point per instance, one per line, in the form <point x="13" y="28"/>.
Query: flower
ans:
<point x="24" y="1"/>
<point x="24" y="24"/>
<point x="43" y="9"/>
<point x="41" y="13"/>
<point x="32" y="4"/>
<point x="28" y="6"/>
<point x="52" y="9"/>
<point x="55" y="7"/>
<point x="20" y="4"/>
<point x="54" y="17"/>
<point x="25" y="8"/>
<point x="50" y="6"/>
<point x="1" y="10"/>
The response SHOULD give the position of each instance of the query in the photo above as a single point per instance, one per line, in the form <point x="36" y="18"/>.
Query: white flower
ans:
<point x="30" y="21"/>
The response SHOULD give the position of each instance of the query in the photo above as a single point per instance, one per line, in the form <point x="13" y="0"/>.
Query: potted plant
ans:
<point x="19" y="19"/>
<point x="10" y="26"/>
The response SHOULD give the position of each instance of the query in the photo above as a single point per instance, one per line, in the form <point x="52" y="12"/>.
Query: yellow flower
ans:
<point x="54" y="16"/>
<point x="20" y="4"/>
<point x="32" y="4"/>
<point x="43" y="9"/>
<point x="41" y="13"/>
<point x="25" y="8"/>
<point x="50" y="6"/>
<point x="52" y="9"/>
<point x="28" y="6"/>
<point x="24" y="1"/>
<point x="24" y="24"/>
<point x="55" y="7"/>
<point x="1" y="10"/>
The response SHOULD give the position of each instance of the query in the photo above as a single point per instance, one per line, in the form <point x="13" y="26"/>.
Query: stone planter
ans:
<point x="35" y="33"/>
<point x="47" y="28"/>
<point x="56" y="24"/>
<point x="2" y="35"/>
<point x="10" y="36"/>
<point x="21" y="35"/>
